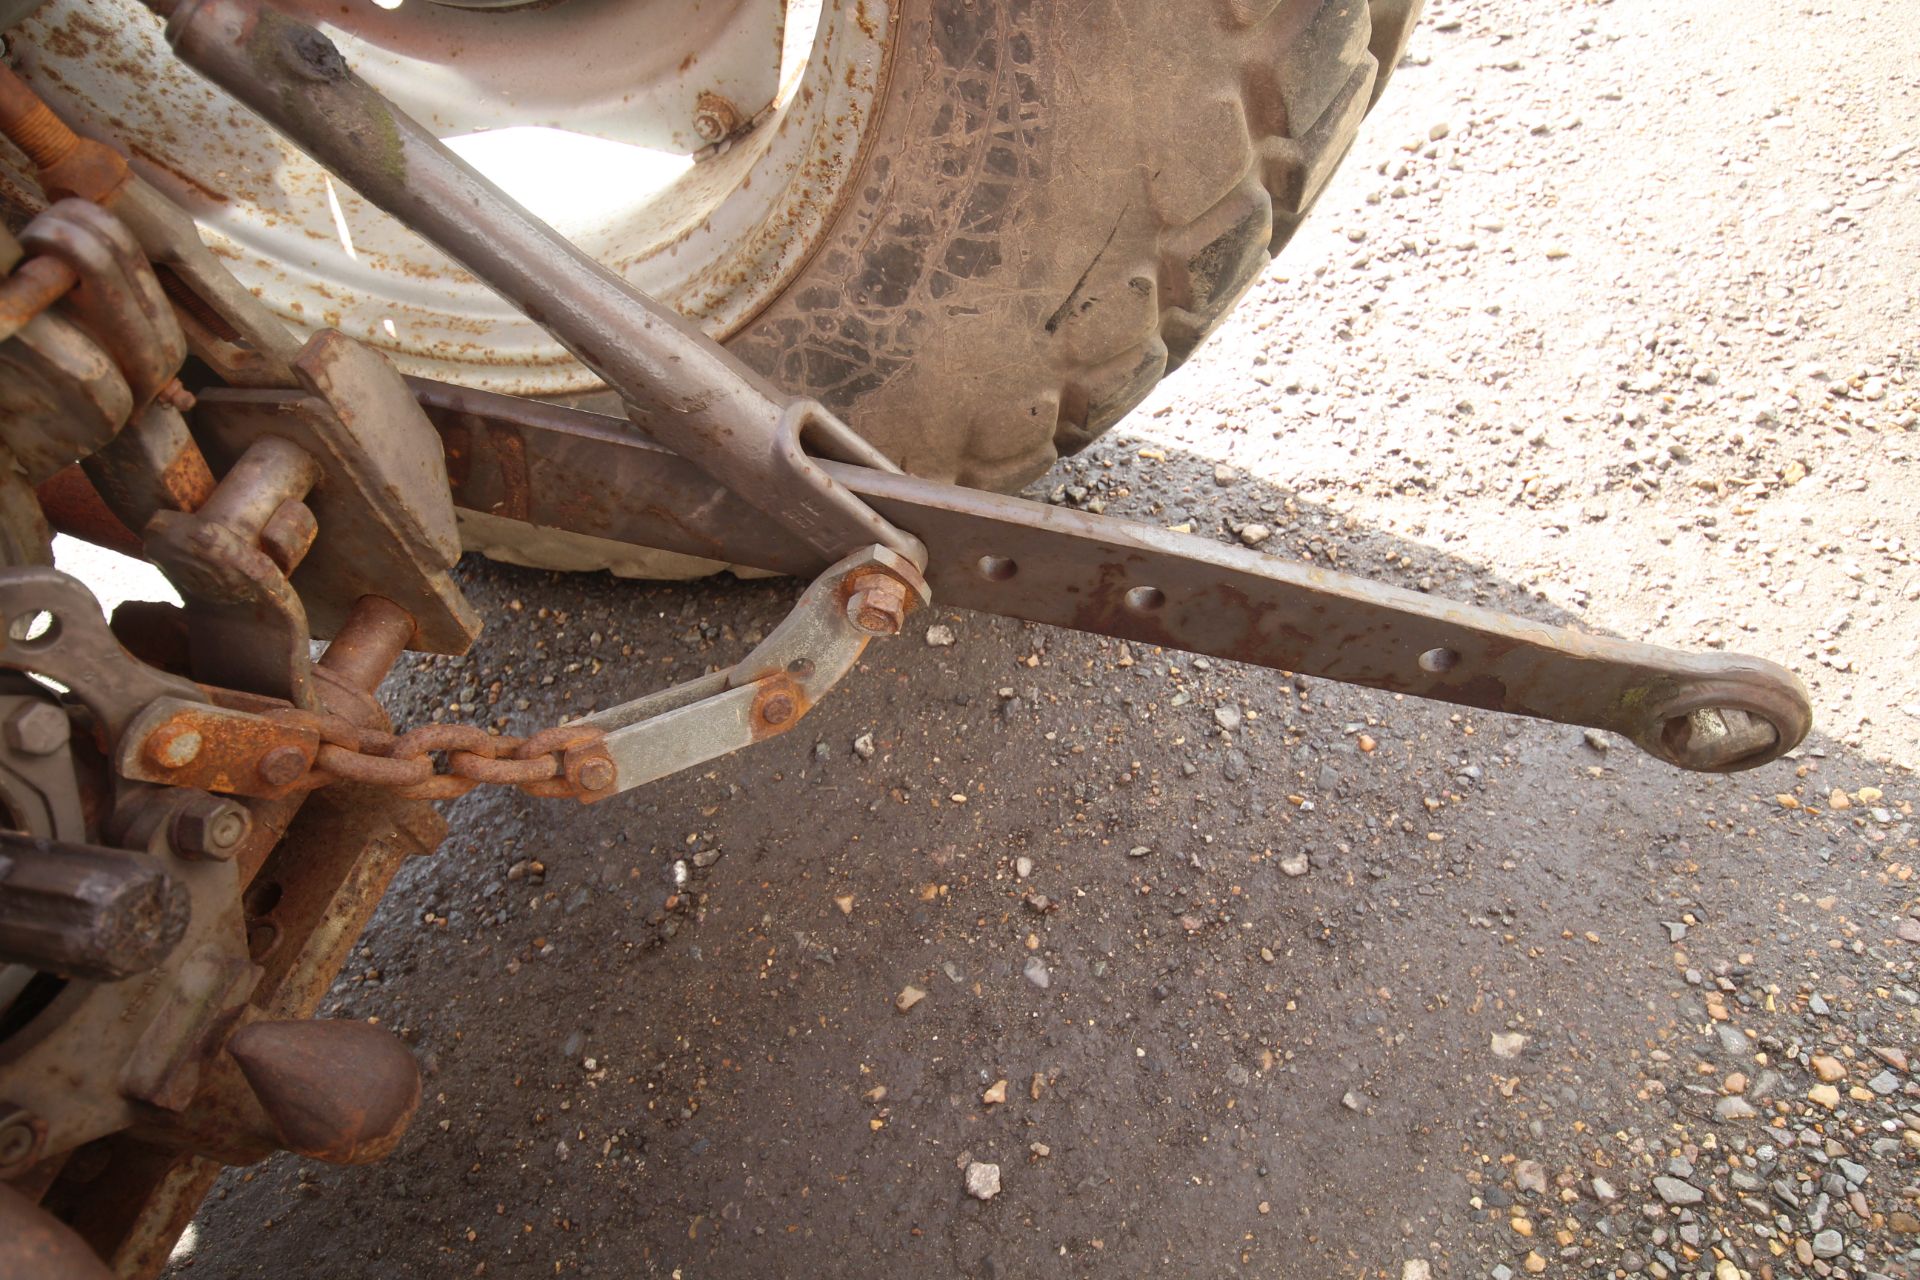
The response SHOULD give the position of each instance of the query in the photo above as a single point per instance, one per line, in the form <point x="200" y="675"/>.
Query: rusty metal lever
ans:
<point x="1709" y="712"/>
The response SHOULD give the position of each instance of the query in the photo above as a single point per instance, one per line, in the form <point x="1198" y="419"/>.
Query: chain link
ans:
<point x="567" y="761"/>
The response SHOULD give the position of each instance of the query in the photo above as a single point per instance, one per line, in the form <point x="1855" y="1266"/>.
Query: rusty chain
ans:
<point x="566" y="761"/>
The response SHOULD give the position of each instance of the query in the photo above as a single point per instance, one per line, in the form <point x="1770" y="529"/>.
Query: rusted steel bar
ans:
<point x="582" y="472"/>
<point x="270" y="473"/>
<point x="359" y="657"/>
<point x="34" y="286"/>
<point x="365" y="648"/>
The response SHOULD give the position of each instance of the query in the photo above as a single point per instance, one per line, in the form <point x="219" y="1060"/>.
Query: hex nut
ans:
<point x="209" y="827"/>
<point x="878" y="605"/>
<point x="38" y="728"/>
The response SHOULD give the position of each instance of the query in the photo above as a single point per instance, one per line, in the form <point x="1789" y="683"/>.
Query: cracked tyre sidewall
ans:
<point x="1054" y="211"/>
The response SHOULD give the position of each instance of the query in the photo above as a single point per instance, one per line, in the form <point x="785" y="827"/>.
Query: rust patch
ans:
<point x="74" y="507"/>
<point x="456" y="442"/>
<point x="516" y="485"/>
<point x="187" y="481"/>
<point x="778" y="706"/>
<point x="215" y="749"/>
<point x="37" y="285"/>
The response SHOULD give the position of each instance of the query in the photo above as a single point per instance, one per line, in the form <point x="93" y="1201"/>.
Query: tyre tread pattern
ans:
<point x="1308" y="78"/>
<point x="1284" y="87"/>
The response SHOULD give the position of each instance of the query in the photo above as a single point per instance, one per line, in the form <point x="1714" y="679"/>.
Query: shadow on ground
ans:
<point x="661" y="1034"/>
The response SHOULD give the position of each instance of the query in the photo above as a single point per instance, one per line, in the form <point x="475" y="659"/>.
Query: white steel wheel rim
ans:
<point x="714" y="230"/>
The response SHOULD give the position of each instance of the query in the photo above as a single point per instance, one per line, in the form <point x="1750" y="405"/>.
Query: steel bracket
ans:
<point x="763" y="695"/>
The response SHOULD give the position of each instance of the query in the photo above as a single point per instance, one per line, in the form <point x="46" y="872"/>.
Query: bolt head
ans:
<point x="594" y="774"/>
<point x="173" y="746"/>
<point x="209" y="827"/>
<point x="38" y="729"/>
<point x="714" y="117"/>
<point x="778" y="709"/>
<point x="282" y="765"/>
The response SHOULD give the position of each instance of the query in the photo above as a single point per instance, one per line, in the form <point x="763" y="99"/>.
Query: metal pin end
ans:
<point x="1718" y="738"/>
<point x="335" y="1090"/>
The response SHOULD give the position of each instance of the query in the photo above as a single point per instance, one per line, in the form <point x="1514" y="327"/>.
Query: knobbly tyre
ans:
<point x="262" y="329"/>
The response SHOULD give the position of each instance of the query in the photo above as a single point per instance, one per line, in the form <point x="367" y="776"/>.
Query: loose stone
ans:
<point x="983" y="1180"/>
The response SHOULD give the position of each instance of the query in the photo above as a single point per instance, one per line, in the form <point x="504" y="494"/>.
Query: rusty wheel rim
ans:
<point x="703" y="185"/>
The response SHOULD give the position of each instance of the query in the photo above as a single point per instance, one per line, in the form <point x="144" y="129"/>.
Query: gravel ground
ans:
<point x="1089" y="959"/>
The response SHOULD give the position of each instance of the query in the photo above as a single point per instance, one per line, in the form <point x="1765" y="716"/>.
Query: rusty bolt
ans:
<point x="715" y="118"/>
<point x="39" y="729"/>
<point x="209" y="827"/>
<point x="174" y="745"/>
<point x="22" y="1134"/>
<point x="595" y="773"/>
<point x="879" y="605"/>
<point x="282" y="766"/>
<point x="777" y="709"/>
